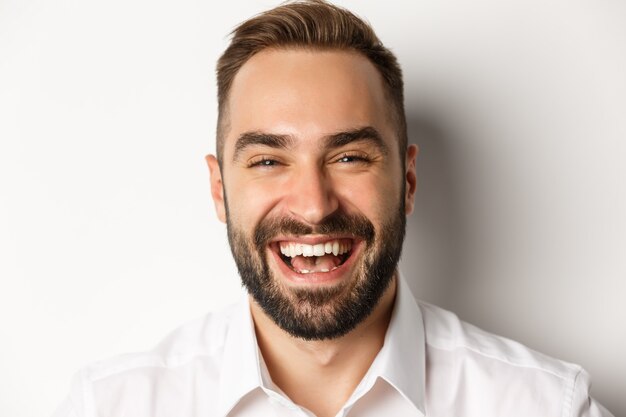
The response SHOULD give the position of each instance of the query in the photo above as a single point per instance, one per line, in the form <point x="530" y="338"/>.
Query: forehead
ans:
<point x="307" y="94"/>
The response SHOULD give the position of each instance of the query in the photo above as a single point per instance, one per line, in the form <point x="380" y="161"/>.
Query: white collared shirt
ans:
<point x="432" y="364"/>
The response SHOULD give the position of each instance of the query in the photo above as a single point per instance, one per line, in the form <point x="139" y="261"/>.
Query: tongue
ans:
<point x="315" y="263"/>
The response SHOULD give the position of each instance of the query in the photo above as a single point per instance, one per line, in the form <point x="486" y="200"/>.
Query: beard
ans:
<point x="328" y="312"/>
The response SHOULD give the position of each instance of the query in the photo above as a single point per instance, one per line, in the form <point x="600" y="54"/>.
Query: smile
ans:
<point x="320" y="257"/>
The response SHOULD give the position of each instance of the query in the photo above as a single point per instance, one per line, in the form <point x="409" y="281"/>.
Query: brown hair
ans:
<point x="309" y="24"/>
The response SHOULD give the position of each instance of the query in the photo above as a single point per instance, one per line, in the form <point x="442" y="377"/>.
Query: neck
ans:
<point x="330" y="370"/>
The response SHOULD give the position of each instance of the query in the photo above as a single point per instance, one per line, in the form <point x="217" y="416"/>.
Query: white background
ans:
<point x="107" y="233"/>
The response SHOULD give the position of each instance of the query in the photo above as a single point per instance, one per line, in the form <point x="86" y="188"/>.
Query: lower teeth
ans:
<point x="287" y="261"/>
<point x="306" y="271"/>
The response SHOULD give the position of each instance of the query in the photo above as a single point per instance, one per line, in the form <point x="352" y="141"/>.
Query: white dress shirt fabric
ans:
<point x="432" y="364"/>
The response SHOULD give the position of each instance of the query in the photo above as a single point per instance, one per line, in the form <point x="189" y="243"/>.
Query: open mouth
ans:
<point x="320" y="257"/>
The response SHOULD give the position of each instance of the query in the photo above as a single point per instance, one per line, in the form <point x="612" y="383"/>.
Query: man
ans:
<point x="314" y="178"/>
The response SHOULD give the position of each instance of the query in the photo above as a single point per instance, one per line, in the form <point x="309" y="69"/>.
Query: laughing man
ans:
<point x="314" y="178"/>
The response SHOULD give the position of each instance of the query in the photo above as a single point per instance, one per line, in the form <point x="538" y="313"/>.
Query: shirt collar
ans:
<point x="401" y="361"/>
<point x="241" y="369"/>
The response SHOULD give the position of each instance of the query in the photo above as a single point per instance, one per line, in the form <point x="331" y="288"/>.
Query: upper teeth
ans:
<point x="335" y="247"/>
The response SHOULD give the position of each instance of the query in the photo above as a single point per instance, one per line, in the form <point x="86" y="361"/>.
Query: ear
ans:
<point x="217" y="187"/>
<point x="410" y="178"/>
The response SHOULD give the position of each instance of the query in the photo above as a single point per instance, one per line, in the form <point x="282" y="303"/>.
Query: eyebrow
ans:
<point x="333" y="141"/>
<point x="264" y="139"/>
<point x="363" y="134"/>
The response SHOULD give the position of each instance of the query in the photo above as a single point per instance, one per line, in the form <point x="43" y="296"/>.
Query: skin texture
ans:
<point x="310" y="95"/>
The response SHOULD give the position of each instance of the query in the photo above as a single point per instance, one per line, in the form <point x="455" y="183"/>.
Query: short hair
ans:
<point x="311" y="24"/>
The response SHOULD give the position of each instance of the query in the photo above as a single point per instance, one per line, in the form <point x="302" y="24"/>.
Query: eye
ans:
<point x="262" y="162"/>
<point x="351" y="158"/>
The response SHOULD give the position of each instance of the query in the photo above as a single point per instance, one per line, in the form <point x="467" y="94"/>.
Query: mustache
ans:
<point x="337" y="223"/>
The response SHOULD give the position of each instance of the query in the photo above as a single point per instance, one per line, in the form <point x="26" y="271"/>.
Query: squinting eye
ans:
<point x="263" y="162"/>
<point x="352" y="159"/>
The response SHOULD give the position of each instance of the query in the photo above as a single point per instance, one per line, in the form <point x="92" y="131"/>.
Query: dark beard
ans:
<point x="328" y="312"/>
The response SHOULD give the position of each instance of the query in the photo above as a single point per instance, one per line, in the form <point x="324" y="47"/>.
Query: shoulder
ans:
<point x="202" y="337"/>
<point x="500" y="371"/>
<point x="185" y="363"/>
<point x="446" y="332"/>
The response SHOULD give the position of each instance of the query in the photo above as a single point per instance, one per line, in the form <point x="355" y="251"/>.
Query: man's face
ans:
<point x="312" y="188"/>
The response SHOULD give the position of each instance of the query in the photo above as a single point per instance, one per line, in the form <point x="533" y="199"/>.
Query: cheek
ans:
<point x="251" y="200"/>
<point x="374" y="196"/>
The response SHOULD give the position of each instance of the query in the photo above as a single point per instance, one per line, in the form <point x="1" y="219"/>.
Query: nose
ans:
<point x="311" y="196"/>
